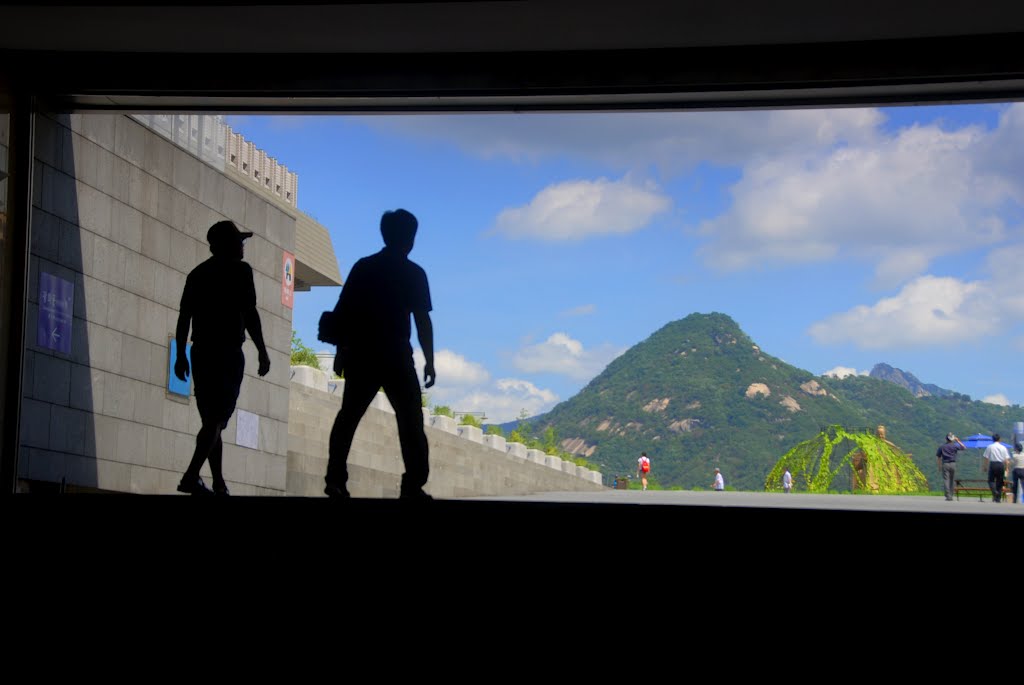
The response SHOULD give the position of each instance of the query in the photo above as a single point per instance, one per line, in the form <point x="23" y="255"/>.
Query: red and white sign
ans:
<point x="288" y="279"/>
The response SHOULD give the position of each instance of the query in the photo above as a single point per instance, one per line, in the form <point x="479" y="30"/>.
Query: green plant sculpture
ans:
<point x="839" y="459"/>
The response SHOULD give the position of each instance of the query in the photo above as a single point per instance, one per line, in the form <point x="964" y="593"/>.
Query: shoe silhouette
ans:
<point x="336" y="491"/>
<point x="194" y="487"/>
<point x="415" y="495"/>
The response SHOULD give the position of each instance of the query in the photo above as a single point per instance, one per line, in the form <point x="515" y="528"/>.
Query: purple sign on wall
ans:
<point x="56" y="307"/>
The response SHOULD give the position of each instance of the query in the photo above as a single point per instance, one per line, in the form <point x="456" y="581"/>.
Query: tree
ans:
<point x="522" y="431"/>
<point x="549" y="443"/>
<point x="301" y="354"/>
<point x="470" y="420"/>
<point x="495" y="430"/>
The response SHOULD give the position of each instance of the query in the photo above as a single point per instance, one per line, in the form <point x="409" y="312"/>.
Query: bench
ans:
<point x="981" y="489"/>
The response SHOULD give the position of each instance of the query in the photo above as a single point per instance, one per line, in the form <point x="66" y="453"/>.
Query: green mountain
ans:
<point x="699" y="394"/>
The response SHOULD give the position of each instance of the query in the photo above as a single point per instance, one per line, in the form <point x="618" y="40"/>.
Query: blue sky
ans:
<point x="835" y="238"/>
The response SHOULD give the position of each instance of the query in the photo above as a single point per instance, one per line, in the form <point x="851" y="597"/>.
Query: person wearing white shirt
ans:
<point x="787" y="481"/>
<point x="719" y="483"/>
<point x="998" y="458"/>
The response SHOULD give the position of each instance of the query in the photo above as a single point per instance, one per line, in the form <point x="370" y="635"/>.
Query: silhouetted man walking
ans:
<point x="371" y="328"/>
<point x="219" y="301"/>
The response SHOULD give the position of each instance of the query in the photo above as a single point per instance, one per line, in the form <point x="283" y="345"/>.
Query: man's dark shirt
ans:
<point x="375" y="304"/>
<point x="217" y="294"/>
<point x="948" y="452"/>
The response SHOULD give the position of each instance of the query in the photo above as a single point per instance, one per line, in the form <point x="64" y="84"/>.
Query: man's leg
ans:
<point x="993" y="480"/>
<point x="949" y="479"/>
<point x="232" y="368"/>
<point x="403" y="390"/>
<point x="208" y="436"/>
<point x="360" y="388"/>
<point x="216" y="460"/>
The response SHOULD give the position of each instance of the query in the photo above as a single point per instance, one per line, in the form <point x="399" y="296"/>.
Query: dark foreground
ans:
<point x="511" y="539"/>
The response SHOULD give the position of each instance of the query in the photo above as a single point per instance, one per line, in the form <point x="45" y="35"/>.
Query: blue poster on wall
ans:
<point x="175" y="386"/>
<point x="56" y="307"/>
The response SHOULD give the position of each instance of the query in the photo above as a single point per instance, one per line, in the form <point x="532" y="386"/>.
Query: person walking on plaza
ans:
<point x="643" y="467"/>
<point x="371" y="328"/>
<point x="1018" y="472"/>
<point x="219" y="303"/>
<point x="719" y="483"/>
<point x="787" y="482"/>
<point x="945" y="457"/>
<point x="998" y="458"/>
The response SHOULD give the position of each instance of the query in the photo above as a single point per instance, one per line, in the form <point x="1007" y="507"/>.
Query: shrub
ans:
<point x="302" y="355"/>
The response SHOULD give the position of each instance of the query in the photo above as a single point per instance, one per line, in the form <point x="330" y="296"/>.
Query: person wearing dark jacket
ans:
<point x="946" y="457"/>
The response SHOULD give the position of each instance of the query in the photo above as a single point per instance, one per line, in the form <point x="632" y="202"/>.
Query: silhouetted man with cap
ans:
<point x="219" y="301"/>
<point x="371" y="328"/>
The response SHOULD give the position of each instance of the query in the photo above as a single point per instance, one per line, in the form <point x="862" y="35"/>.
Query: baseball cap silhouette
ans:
<point x="224" y="231"/>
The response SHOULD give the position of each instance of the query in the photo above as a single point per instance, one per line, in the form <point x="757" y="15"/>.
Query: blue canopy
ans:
<point x="981" y="441"/>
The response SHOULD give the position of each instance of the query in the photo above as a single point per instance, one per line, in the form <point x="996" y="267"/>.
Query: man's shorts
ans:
<point x="217" y="376"/>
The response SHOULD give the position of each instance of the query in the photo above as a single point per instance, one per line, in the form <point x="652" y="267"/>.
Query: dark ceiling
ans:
<point x="517" y="54"/>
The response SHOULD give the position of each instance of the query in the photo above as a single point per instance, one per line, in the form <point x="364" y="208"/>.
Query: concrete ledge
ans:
<point x="444" y="423"/>
<point x="516" y="449"/>
<point x="471" y="433"/>
<point x="556" y="463"/>
<point x="310" y="377"/>
<point x="495" y="442"/>
<point x="536" y="456"/>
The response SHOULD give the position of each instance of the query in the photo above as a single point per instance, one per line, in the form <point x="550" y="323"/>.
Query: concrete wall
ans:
<point x="122" y="213"/>
<point x="463" y="462"/>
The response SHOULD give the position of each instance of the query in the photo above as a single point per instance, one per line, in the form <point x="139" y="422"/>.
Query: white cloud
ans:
<point x="896" y="201"/>
<point x="998" y="398"/>
<point x="500" y="402"/>
<point x="563" y="355"/>
<point x="581" y="310"/>
<point x="927" y="311"/>
<point x="673" y="141"/>
<point x="573" y="210"/>
<point x="844" y="371"/>
<point x="453" y="368"/>
<point x="465" y="386"/>
<point x="932" y="310"/>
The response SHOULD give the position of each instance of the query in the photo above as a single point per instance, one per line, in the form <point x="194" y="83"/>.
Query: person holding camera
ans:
<point x="946" y="457"/>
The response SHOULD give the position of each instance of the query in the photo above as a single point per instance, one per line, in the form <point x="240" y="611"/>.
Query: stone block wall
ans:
<point x="122" y="213"/>
<point x="464" y="463"/>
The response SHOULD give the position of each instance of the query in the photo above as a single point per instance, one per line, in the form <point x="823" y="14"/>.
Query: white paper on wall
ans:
<point x="247" y="433"/>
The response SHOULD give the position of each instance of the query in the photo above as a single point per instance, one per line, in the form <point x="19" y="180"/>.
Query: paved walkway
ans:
<point x="707" y="498"/>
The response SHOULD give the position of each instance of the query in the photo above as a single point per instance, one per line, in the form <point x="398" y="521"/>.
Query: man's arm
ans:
<point x="181" y="367"/>
<point x="251" y="318"/>
<point x="425" y="333"/>
<point x="255" y="328"/>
